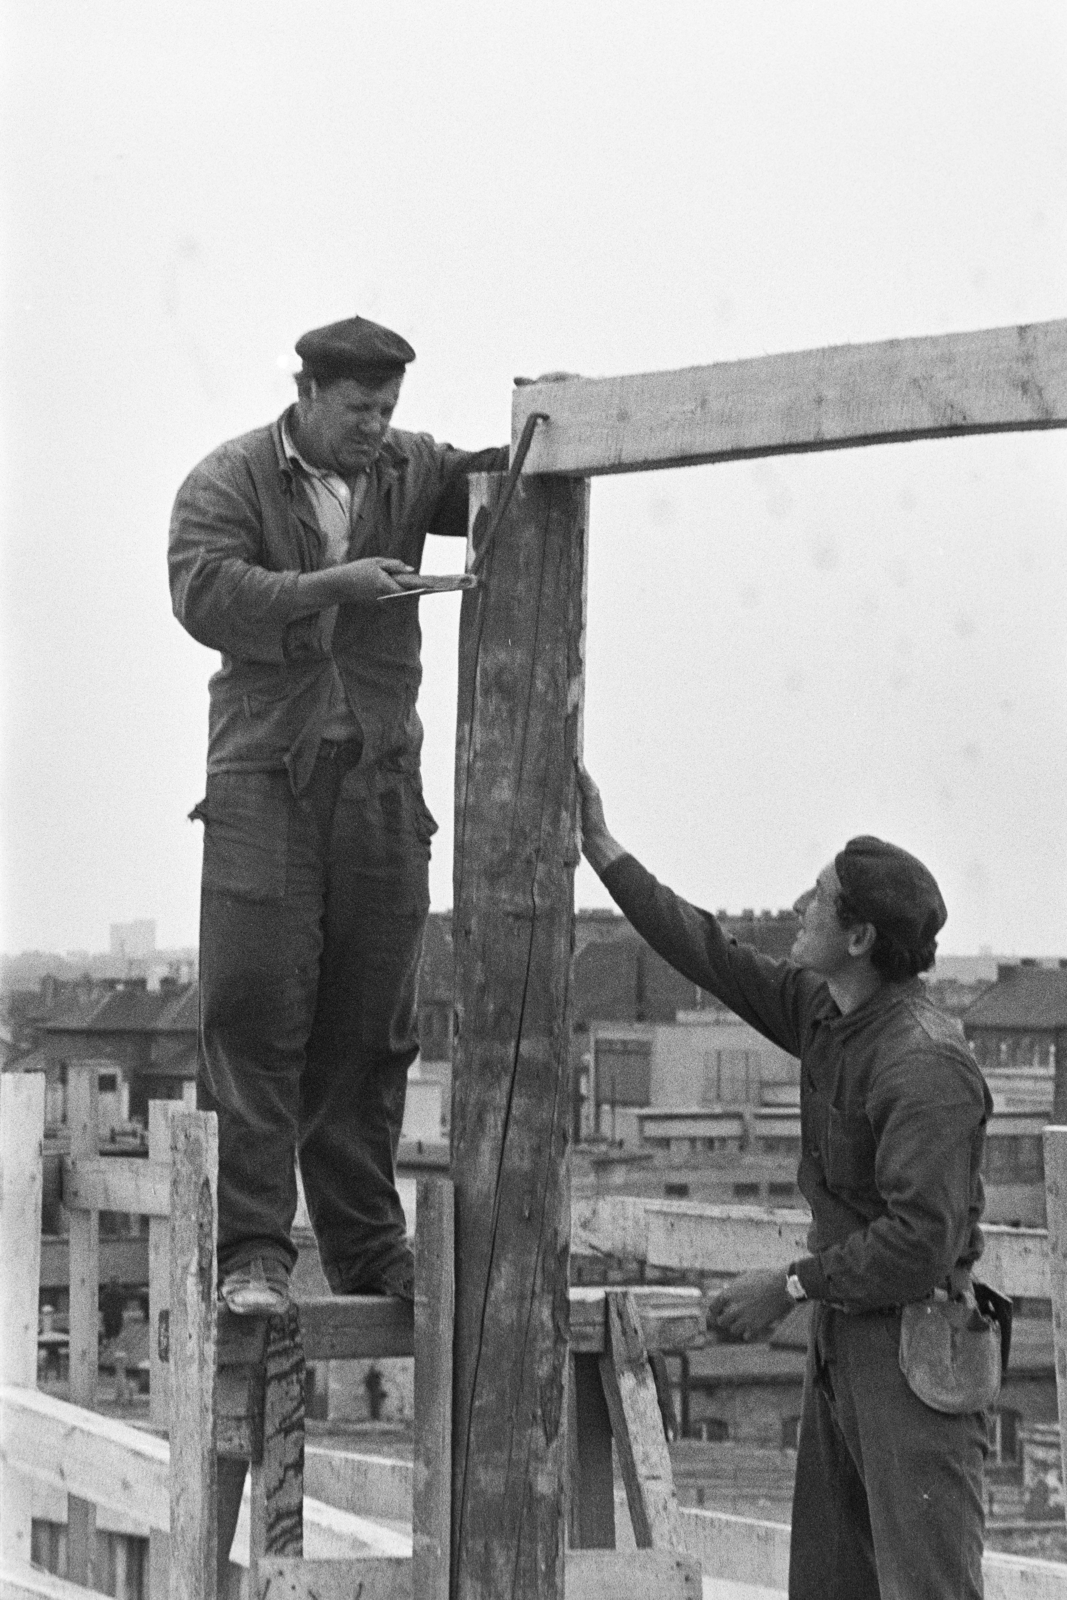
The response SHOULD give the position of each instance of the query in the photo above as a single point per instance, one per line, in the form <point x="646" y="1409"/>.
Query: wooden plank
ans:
<point x="686" y="1237"/>
<point x="193" y="1315"/>
<point x="991" y="381"/>
<point x="435" y="1304"/>
<point x="371" y="1486"/>
<point x="672" y="1318"/>
<point x="159" y="1274"/>
<point x="19" y="1581"/>
<point x="1055" y="1140"/>
<point x="21" y="1147"/>
<point x="372" y="1578"/>
<point x="83" y="1080"/>
<point x="631" y="1575"/>
<point x="637" y="1425"/>
<point x="117" y="1183"/>
<point x="277" y="1525"/>
<point x="1016" y="1261"/>
<point x="86" y="1454"/>
<point x="592" y="1484"/>
<point x="356" y="1327"/>
<point x="521" y="640"/>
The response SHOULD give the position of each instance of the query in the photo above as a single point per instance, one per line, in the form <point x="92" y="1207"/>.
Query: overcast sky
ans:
<point x="780" y="653"/>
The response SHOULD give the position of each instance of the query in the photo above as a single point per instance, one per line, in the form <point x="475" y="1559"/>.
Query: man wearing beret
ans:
<point x="888" y="1496"/>
<point x="291" y="551"/>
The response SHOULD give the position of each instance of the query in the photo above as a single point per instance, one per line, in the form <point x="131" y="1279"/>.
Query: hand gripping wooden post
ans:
<point x="518" y="734"/>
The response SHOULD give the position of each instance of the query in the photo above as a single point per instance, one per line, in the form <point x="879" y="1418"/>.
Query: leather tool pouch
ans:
<point x="951" y="1352"/>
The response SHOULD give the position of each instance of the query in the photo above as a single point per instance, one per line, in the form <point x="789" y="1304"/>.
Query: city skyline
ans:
<point x="780" y="653"/>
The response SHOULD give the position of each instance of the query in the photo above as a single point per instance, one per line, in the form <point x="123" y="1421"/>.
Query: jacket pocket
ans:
<point x="246" y="834"/>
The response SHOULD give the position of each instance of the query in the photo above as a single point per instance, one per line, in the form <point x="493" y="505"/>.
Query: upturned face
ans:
<point x="822" y="945"/>
<point x="343" y="425"/>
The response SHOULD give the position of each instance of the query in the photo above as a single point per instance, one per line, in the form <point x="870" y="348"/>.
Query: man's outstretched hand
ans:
<point x="750" y="1305"/>
<point x="598" y="846"/>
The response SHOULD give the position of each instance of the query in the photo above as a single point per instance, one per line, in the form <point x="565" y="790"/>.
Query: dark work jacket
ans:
<point x="893" y="1108"/>
<point x="243" y="527"/>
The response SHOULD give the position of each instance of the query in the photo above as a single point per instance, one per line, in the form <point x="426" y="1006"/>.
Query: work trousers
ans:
<point x="888" y="1497"/>
<point x="313" y="908"/>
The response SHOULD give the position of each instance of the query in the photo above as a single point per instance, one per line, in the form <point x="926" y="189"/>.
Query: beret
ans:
<point x="892" y="890"/>
<point x="354" y="348"/>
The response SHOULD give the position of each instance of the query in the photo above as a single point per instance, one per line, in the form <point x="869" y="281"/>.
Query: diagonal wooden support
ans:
<point x="636" y="1422"/>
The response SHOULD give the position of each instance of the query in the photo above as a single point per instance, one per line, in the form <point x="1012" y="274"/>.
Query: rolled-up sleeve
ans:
<point x="219" y="591"/>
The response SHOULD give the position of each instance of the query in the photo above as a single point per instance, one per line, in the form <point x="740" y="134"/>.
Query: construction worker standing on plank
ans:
<point x="888" y="1496"/>
<point x="284" y="544"/>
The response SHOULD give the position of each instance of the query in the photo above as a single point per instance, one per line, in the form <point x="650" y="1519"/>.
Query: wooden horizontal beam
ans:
<point x="993" y="381"/>
<point x="630" y="1575"/>
<point x="671" y="1318"/>
<point x="744" y="1550"/>
<point x="111" y="1464"/>
<point x="729" y="1239"/>
<point x="19" y="1582"/>
<point x="117" y="1183"/>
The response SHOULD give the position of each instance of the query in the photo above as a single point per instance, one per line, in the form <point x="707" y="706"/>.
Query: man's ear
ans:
<point x="861" y="939"/>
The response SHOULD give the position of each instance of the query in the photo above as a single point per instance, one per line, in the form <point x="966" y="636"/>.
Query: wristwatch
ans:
<point x="793" y="1286"/>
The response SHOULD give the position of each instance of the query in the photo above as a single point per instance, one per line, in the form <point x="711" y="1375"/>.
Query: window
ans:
<point x="780" y="1191"/>
<point x="790" y="1432"/>
<point x="623" y="1072"/>
<point x="712" y="1429"/>
<point x="109" y="1082"/>
<point x="676" y="1191"/>
<point x="748" y="1191"/>
<point x="731" y="1077"/>
<point x="1014" y="1158"/>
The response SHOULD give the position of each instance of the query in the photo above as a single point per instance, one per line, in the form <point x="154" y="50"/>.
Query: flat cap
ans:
<point x="354" y="348"/>
<point x="892" y="890"/>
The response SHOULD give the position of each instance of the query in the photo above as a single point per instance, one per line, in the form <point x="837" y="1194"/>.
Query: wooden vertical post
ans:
<point x="159" y="1330"/>
<point x="21" y="1152"/>
<point x="435" y="1252"/>
<point x="194" y="1153"/>
<point x="518" y="734"/>
<point x="1056" y="1206"/>
<point x="83" y="1081"/>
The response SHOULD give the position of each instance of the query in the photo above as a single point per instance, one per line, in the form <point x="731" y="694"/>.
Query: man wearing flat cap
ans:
<point x="284" y="545"/>
<point x="888" y="1497"/>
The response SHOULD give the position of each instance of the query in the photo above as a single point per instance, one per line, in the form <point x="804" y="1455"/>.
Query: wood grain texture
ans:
<point x="631" y="1575"/>
<point x="21" y="1153"/>
<point x="119" y="1183"/>
<point x="356" y="1327"/>
<point x="159" y="1274"/>
<point x="83" y="1080"/>
<point x="521" y="641"/>
<point x="678" y="1234"/>
<point x="277" y="1509"/>
<point x="672" y="1318"/>
<point x="1055" y="1140"/>
<point x="435" y="1305"/>
<point x="373" y="1578"/>
<point x="193" y="1319"/>
<point x="992" y="381"/>
<point x="637" y="1426"/>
